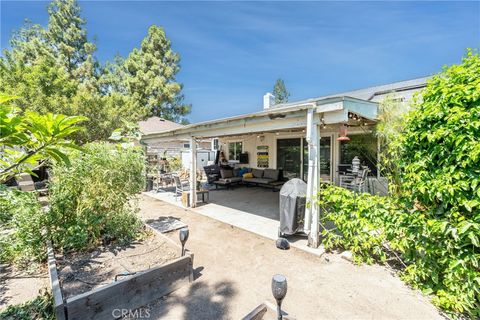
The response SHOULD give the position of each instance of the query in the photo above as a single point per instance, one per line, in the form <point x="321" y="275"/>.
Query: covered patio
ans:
<point x="252" y="209"/>
<point x="263" y="137"/>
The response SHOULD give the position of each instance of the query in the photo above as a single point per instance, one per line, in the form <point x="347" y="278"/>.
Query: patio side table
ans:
<point x="202" y="192"/>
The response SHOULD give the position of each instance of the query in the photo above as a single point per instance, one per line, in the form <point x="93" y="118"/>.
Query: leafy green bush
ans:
<point x="32" y="138"/>
<point x="439" y="160"/>
<point x="93" y="199"/>
<point x="355" y="222"/>
<point x="434" y="224"/>
<point x="175" y="164"/>
<point x="22" y="226"/>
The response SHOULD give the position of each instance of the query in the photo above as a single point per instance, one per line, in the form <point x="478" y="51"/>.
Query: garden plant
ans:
<point x="431" y="224"/>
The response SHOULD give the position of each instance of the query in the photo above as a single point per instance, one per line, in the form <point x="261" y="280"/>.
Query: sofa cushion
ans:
<point x="259" y="180"/>
<point x="234" y="179"/>
<point x="236" y="172"/>
<point x="257" y="173"/>
<point x="271" y="174"/>
<point x="226" y="173"/>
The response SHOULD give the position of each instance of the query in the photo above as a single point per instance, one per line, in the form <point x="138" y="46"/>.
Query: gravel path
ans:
<point x="235" y="269"/>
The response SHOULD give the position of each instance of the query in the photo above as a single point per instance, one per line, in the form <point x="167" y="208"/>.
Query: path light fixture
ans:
<point x="183" y="234"/>
<point x="279" y="290"/>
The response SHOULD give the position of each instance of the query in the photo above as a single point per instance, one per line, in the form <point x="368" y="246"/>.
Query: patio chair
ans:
<point x="180" y="187"/>
<point x="358" y="183"/>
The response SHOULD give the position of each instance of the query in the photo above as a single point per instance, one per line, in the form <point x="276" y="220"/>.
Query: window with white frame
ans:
<point x="234" y="150"/>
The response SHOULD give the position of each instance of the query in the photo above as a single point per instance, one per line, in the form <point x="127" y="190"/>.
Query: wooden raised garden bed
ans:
<point x="266" y="311"/>
<point x="82" y="290"/>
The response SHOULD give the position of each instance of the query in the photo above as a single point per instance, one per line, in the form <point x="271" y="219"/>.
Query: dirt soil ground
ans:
<point x="234" y="270"/>
<point x="18" y="286"/>
<point x="79" y="273"/>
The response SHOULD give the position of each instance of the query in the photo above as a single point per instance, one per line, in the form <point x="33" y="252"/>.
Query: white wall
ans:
<point x="203" y="156"/>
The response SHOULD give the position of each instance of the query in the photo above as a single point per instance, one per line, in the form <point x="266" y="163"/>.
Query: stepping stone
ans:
<point x="166" y="224"/>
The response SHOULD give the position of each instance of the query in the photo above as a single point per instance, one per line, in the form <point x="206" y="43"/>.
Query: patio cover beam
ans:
<point x="335" y="110"/>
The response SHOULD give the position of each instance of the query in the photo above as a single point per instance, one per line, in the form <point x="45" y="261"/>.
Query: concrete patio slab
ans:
<point x="251" y="209"/>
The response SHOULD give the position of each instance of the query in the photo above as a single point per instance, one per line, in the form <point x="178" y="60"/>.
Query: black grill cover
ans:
<point x="292" y="206"/>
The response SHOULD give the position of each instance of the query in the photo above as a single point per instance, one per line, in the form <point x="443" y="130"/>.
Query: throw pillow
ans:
<point x="248" y="175"/>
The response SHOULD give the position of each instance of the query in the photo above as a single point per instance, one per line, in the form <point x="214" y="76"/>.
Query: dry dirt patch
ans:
<point x="18" y="286"/>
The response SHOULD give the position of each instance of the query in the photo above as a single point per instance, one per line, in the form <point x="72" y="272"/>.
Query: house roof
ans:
<point x="156" y="124"/>
<point x="371" y="93"/>
<point x="366" y="97"/>
<point x="261" y="119"/>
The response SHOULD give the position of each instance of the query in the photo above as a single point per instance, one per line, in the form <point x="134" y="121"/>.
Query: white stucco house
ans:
<point x="306" y="139"/>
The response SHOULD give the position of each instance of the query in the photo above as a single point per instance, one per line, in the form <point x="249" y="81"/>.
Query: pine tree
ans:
<point x="151" y="72"/>
<point x="54" y="70"/>
<point x="280" y="92"/>
<point x="67" y="35"/>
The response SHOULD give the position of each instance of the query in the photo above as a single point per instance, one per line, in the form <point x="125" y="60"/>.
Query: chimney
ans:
<point x="268" y="101"/>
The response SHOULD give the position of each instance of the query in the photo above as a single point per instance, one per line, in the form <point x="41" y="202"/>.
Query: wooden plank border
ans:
<point x="266" y="308"/>
<point x="257" y="313"/>
<point x="108" y="301"/>
<point x="173" y="243"/>
<point x="58" y="303"/>
<point x="127" y="294"/>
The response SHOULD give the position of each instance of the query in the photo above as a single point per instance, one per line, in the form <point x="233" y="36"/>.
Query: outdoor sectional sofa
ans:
<point x="261" y="177"/>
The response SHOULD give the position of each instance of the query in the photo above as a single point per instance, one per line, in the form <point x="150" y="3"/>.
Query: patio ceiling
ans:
<point x="291" y="116"/>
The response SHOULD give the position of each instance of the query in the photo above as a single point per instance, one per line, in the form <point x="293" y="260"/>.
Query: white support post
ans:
<point x="313" y="180"/>
<point x="314" y="238"/>
<point x="193" y="172"/>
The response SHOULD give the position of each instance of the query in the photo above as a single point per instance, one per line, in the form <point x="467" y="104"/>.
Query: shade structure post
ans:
<point x="313" y="180"/>
<point x="193" y="172"/>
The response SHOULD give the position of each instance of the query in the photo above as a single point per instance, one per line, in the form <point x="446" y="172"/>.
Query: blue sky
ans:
<point x="232" y="52"/>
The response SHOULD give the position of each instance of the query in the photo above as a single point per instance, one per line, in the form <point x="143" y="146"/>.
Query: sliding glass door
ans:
<point x="289" y="157"/>
<point x="292" y="158"/>
<point x="326" y="158"/>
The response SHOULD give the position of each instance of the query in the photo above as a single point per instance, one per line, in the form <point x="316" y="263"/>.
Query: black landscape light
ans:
<point x="279" y="290"/>
<point x="183" y="234"/>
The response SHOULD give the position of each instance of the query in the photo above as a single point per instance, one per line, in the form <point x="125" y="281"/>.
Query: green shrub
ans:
<point x="93" y="199"/>
<point x="439" y="161"/>
<point x="175" y="164"/>
<point x="22" y="227"/>
<point x="354" y="221"/>
<point x="434" y="223"/>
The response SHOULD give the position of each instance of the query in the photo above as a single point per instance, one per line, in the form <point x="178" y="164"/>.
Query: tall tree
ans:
<point x="67" y="35"/>
<point x="54" y="69"/>
<point x="280" y="92"/>
<point x="151" y="81"/>
<point x="28" y="44"/>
